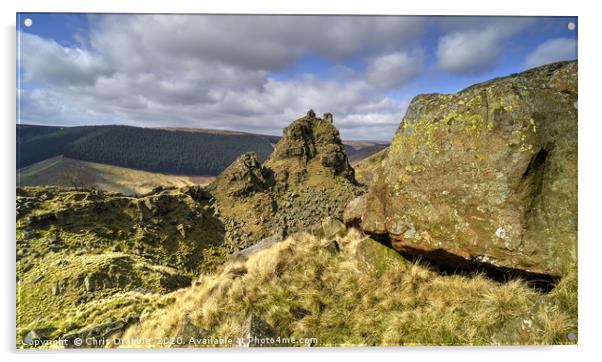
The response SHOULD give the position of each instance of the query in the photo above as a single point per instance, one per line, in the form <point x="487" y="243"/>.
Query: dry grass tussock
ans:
<point x="408" y="304"/>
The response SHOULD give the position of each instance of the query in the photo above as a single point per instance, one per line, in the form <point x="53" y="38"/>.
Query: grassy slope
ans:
<point x="355" y="303"/>
<point x="114" y="243"/>
<point x="62" y="171"/>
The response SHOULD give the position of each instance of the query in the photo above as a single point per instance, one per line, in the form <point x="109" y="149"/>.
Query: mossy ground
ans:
<point x="167" y="228"/>
<point x="60" y="303"/>
<point x="404" y="303"/>
<point x="85" y="258"/>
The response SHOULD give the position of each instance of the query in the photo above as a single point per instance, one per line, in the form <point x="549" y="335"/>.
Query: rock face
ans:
<point x="245" y="175"/>
<point x="306" y="139"/>
<point x="486" y="175"/>
<point x="306" y="179"/>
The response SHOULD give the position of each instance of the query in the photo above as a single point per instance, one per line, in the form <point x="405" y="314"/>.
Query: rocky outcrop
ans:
<point x="307" y="139"/>
<point x="245" y="176"/>
<point x="486" y="175"/>
<point x="306" y="179"/>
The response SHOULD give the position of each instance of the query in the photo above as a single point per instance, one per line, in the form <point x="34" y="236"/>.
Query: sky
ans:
<point x="259" y="73"/>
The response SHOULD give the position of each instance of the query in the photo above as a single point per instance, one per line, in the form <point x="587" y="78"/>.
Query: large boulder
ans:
<point x="488" y="174"/>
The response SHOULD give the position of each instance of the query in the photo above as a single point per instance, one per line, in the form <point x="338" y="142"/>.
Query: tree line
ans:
<point x="157" y="150"/>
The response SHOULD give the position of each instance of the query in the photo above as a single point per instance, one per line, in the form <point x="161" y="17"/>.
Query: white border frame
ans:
<point x="590" y="133"/>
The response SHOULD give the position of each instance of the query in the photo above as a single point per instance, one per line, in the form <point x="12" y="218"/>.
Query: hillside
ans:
<point x="182" y="151"/>
<point x="90" y="261"/>
<point x="156" y="150"/>
<point x="63" y="171"/>
<point x="360" y="150"/>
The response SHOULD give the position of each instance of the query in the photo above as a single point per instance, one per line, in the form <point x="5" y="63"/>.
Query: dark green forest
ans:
<point x="166" y="151"/>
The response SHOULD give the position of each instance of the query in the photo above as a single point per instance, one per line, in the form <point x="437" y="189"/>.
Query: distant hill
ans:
<point x="182" y="151"/>
<point x="157" y="150"/>
<point x="359" y="150"/>
<point x="62" y="171"/>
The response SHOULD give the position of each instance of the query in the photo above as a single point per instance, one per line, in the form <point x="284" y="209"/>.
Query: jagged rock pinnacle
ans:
<point x="310" y="139"/>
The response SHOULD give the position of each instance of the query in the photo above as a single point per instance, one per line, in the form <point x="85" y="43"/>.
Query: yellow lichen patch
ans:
<point x="533" y="125"/>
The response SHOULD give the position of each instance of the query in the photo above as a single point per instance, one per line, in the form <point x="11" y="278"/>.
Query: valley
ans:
<point x="298" y="239"/>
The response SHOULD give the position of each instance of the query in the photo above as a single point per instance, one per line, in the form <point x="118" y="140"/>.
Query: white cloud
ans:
<point x="473" y="46"/>
<point x="394" y="69"/>
<point x="46" y="61"/>
<point x="468" y="52"/>
<point x="251" y="42"/>
<point x="552" y="50"/>
<point x="361" y="110"/>
<point x="214" y="72"/>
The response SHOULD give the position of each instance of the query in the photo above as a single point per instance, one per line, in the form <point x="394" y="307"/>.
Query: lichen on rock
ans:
<point x="488" y="173"/>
